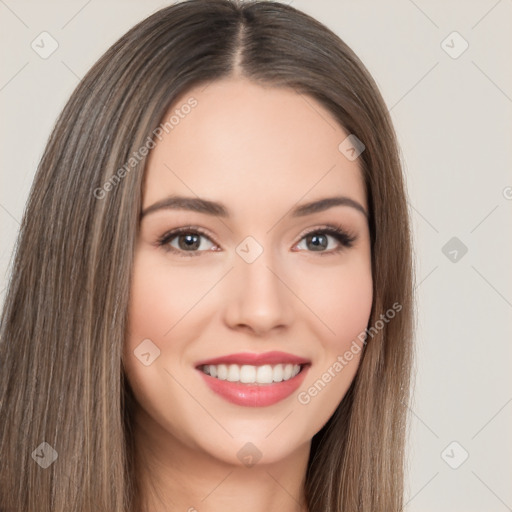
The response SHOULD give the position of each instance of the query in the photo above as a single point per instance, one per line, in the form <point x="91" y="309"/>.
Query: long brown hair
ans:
<point x="64" y="321"/>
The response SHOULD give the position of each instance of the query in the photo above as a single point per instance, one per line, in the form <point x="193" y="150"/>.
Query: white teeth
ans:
<point x="233" y="373"/>
<point x="278" y="373"/>
<point x="264" y="374"/>
<point x="249" y="374"/>
<point x="222" y="371"/>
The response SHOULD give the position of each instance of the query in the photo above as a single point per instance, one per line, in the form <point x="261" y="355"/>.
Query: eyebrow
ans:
<point x="207" y="207"/>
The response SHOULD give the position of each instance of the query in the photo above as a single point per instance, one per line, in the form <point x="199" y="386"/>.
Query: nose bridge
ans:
<point x="259" y="299"/>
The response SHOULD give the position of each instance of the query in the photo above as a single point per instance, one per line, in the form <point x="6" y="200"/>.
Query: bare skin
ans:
<point x="260" y="151"/>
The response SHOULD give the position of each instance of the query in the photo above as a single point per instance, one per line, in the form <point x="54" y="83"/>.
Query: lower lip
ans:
<point x="254" y="395"/>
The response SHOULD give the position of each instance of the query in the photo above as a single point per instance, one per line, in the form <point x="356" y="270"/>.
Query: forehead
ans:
<point x="252" y="147"/>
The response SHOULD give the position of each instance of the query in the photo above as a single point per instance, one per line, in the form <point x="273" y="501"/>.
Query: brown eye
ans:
<point x="185" y="240"/>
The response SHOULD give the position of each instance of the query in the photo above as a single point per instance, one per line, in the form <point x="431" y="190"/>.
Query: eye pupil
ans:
<point x="191" y="241"/>
<point x="317" y="245"/>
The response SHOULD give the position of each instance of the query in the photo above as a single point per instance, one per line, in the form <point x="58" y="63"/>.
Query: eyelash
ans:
<point x="345" y="239"/>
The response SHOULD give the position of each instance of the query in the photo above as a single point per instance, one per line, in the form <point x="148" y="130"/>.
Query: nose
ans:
<point x="257" y="297"/>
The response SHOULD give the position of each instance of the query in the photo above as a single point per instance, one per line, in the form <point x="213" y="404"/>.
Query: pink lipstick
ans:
<point x="254" y="380"/>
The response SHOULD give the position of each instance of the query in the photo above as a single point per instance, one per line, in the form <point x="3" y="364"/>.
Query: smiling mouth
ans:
<point x="251" y="374"/>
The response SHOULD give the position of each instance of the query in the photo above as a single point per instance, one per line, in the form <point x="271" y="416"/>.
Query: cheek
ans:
<point x="160" y="298"/>
<point x="350" y="309"/>
<point x="344" y="305"/>
<point x="156" y="304"/>
<point x="342" y="301"/>
<point x="161" y="295"/>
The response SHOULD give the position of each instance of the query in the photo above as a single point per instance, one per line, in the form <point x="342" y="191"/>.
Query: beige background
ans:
<point x="453" y="118"/>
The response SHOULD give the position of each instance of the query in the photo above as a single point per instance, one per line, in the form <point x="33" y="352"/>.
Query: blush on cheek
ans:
<point x="348" y="311"/>
<point x="160" y="296"/>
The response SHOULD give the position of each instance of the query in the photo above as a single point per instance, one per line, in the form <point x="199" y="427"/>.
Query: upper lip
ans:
<point x="274" y="357"/>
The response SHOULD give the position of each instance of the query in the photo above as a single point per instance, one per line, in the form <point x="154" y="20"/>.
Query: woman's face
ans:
<point x="254" y="277"/>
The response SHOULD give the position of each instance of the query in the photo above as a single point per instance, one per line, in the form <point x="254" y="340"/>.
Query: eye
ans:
<point x="318" y="239"/>
<point x="188" y="241"/>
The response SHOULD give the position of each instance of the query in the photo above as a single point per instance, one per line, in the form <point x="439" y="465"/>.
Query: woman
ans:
<point x="211" y="300"/>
